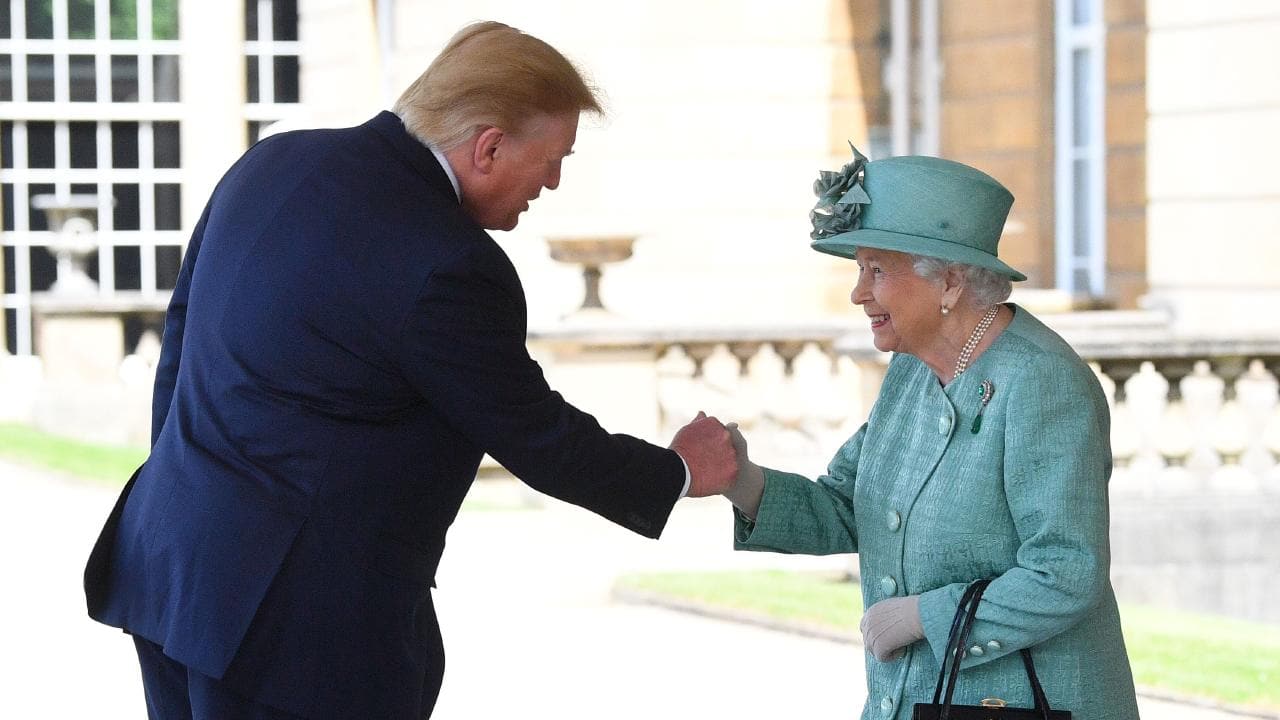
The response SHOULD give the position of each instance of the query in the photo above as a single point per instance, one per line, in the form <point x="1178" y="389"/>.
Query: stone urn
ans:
<point x="75" y="239"/>
<point x="592" y="254"/>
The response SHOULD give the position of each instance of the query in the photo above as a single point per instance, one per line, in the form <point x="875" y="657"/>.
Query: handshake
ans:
<point x="716" y="455"/>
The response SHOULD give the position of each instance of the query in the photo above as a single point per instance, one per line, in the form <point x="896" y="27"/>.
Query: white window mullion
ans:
<point x="61" y="72"/>
<point x="143" y="16"/>
<point x="61" y="158"/>
<point x="147" y="208"/>
<point x="1097" y="266"/>
<point x="18" y="59"/>
<point x="266" y="58"/>
<point x="1080" y="242"/>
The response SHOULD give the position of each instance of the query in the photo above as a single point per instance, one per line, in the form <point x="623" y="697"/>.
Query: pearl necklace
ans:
<point x="966" y="352"/>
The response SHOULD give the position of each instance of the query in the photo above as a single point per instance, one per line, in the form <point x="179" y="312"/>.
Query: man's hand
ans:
<point x="706" y="448"/>
<point x="890" y="625"/>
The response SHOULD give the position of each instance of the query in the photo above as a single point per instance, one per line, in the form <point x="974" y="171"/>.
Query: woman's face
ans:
<point x="905" y="309"/>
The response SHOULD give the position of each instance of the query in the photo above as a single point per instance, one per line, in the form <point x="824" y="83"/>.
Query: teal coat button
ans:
<point x="893" y="520"/>
<point x="886" y="705"/>
<point x="888" y="585"/>
<point x="944" y="425"/>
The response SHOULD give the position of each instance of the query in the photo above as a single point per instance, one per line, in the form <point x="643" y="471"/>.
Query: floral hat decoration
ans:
<point x="913" y="204"/>
<point x="840" y="198"/>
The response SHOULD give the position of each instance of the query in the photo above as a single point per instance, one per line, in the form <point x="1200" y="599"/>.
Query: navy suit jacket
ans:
<point x="342" y="347"/>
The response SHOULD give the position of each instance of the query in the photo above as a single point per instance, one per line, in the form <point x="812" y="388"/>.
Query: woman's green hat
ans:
<point x="912" y="204"/>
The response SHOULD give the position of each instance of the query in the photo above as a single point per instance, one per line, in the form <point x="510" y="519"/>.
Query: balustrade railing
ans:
<point x="1187" y="413"/>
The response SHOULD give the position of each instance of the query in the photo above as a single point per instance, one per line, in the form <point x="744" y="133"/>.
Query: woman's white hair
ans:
<point x="983" y="287"/>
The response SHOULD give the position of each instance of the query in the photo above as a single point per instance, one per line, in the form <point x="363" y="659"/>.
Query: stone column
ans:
<point x="1213" y="213"/>
<point x="214" y="133"/>
<point x="342" y="72"/>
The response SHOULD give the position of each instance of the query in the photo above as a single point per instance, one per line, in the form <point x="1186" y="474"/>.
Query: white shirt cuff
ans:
<point x="688" y="478"/>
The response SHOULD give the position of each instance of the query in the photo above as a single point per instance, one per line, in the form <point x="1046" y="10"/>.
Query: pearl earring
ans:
<point x="945" y="309"/>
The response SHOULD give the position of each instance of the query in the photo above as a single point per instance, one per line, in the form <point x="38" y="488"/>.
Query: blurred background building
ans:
<point x="1137" y="136"/>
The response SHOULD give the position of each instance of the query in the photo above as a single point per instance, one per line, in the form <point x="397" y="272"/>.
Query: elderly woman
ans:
<point x="985" y="456"/>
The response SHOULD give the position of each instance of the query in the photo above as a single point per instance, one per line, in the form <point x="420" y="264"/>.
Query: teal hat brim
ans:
<point x="845" y="245"/>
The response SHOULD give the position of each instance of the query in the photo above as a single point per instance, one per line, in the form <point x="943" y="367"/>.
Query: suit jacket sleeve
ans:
<point x="174" y="324"/>
<point x="464" y="350"/>
<point x="1057" y="462"/>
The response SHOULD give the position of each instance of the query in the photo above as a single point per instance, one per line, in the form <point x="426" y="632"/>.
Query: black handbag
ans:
<point x="991" y="708"/>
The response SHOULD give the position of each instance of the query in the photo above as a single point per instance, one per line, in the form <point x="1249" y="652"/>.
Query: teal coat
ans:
<point x="929" y="505"/>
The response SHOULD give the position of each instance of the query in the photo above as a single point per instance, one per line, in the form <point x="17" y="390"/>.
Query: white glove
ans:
<point x="748" y="488"/>
<point x="890" y="625"/>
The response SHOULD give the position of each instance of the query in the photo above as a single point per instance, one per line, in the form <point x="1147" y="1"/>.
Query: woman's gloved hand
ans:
<point x="890" y="625"/>
<point x="749" y="485"/>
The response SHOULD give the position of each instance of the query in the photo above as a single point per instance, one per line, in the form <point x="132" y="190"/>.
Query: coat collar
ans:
<point x="419" y="156"/>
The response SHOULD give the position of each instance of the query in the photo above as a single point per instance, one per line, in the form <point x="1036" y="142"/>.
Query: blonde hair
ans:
<point x="491" y="74"/>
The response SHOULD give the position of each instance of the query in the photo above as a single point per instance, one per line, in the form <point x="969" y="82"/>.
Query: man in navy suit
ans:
<point x="344" y="343"/>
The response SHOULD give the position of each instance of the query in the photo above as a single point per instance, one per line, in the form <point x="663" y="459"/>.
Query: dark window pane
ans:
<point x="124" y="144"/>
<point x="124" y="78"/>
<point x="165" y="74"/>
<point x="84" y="189"/>
<point x="84" y="79"/>
<point x="284" y="19"/>
<point x="6" y="144"/>
<point x="11" y="331"/>
<point x="1081" y="209"/>
<point x="1080" y="97"/>
<point x="91" y="267"/>
<point x="6" y="200"/>
<point x="168" y="263"/>
<point x="286" y="78"/>
<point x="40" y="78"/>
<point x="168" y="206"/>
<point x="6" y="78"/>
<point x="164" y="19"/>
<point x="251" y="78"/>
<point x="80" y="19"/>
<point x="254" y="130"/>
<point x="1082" y="12"/>
<point x="6" y="23"/>
<point x="84" y="144"/>
<point x="40" y="145"/>
<point x="125" y="215"/>
<point x="36" y="218"/>
<point x="128" y="267"/>
<point x="44" y="268"/>
<point x="10" y="276"/>
<point x="124" y="19"/>
<point x="39" y="19"/>
<point x="250" y="19"/>
<point x="167" y="145"/>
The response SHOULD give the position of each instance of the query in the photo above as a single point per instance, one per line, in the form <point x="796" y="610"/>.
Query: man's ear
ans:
<point x="484" y="149"/>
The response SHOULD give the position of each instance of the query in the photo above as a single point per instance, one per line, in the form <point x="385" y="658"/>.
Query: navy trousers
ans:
<point x="176" y="692"/>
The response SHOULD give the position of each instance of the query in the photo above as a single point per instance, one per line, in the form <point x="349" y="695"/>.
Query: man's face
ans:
<point x="524" y="162"/>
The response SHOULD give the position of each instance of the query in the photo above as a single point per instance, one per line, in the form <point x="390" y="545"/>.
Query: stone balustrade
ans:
<point x="1195" y="423"/>
<point x="1195" y="494"/>
<point x="1188" y="412"/>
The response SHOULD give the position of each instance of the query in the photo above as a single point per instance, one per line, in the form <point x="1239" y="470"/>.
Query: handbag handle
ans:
<point x="961" y="624"/>
<point x="953" y="647"/>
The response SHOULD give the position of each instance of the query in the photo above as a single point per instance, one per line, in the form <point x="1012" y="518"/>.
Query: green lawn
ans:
<point x="104" y="463"/>
<point x="111" y="464"/>
<point x="1223" y="660"/>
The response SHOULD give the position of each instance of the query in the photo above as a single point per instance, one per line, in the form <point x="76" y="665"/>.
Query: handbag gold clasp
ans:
<point x="993" y="703"/>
